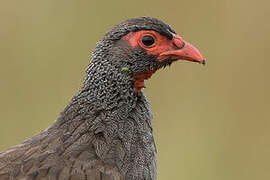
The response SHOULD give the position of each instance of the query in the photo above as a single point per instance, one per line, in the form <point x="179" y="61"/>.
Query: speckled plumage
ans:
<point x="105" y="132"/>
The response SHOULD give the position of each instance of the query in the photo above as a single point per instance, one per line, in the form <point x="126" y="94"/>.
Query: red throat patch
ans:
<point x="139" y="79"/>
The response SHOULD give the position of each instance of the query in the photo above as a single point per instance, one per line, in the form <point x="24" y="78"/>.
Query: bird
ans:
<point x="105" y="132"/>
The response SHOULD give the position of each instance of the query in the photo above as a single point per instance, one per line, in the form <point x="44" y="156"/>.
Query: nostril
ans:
<point x="183" y="44"/>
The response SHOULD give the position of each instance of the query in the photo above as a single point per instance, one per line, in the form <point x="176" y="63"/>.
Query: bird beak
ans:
<point x="183" y="50"/>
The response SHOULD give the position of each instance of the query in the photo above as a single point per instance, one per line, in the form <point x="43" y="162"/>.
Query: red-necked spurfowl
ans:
<point x="105" y="132"/>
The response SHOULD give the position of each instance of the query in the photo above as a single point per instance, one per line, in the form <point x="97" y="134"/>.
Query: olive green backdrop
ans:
<point x="210" y="123"/>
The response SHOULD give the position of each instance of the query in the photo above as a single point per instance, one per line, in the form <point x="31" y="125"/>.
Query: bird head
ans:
<point x="141" y="46"/>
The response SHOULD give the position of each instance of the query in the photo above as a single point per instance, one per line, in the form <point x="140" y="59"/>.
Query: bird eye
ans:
<point x="148" y="40"/>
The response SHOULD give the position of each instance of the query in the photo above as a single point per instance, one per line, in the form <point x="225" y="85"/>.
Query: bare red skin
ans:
<point x="163" y="48"/>
<point x="139" y="79"/>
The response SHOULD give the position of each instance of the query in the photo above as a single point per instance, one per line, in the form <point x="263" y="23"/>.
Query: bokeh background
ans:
<point x="211" y="123"/>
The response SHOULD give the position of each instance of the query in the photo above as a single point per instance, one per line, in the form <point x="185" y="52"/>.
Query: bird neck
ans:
<point x="109" y="87"/>
<point x="108" y="118"/>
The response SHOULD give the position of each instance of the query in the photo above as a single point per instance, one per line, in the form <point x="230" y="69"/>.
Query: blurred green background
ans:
<point x="210" y="122"/>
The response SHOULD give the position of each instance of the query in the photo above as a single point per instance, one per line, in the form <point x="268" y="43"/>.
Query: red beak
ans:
<point x="182" y="50"/>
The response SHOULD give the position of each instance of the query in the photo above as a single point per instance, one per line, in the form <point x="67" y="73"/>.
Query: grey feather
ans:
<point x="105" y="132"/>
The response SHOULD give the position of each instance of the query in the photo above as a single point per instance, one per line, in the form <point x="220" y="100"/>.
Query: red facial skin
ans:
<point x="163" y="48"/>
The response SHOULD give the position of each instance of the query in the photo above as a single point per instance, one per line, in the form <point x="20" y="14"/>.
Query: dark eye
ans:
<point x="148" y="40"/>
